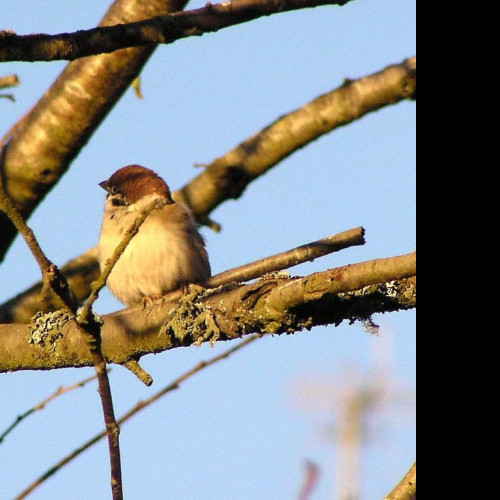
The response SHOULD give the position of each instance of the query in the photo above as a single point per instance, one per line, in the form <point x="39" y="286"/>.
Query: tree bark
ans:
<point x="157" y="30"/>
<point x="273" y="305"/>
<point x="228" y="176"/>
<point x="42" y="145"/>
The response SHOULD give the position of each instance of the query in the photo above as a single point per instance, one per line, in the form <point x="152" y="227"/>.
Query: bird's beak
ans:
<point x="104" y="185"/>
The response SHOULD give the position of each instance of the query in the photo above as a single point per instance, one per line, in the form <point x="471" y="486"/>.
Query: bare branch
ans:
<point x="80" y="273"/>
<point x="164" y="29"/>
<point x="407" y="487"/>
<point x="136" y="409"/>
<point x="85" y="323"/>
<point x="45" y="141"/>
<point x="9" y="81"/>
<point x="23" y="307"/>
<point x="271" y="305"/>
<point x="41" y="405"/>
<point x="6" y="82"/>
<point x="284" y="260"/>
<point x="52" y="278"/>
<point x="228" y="176"/>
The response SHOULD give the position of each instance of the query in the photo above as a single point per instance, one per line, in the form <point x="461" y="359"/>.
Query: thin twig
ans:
<point x="9" y="81"/>
<point x="311" y="473"/>
<point x="41" y="405"/>
<point x="137" y="408"/>
<point x="85" y="313"/>
<point x="284" y="260"/>
<point x="52" y="278"/>
<point x="100" y="283"/>
<point x="290" y="258"/>
<point x="6" y="82"/>
<point x="87" y="325"/>
<point x="23" y="307"/>
<point x="93" y="329"/>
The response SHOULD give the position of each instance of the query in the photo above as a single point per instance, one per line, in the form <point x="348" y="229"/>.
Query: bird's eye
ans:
<point x="113" y="190"/>
<point x="119" y="200"/>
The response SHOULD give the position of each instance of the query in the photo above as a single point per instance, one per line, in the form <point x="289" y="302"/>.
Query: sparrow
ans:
<point x="166" y="254"/>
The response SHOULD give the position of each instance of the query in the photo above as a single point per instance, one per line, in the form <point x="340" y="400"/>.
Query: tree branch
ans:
<point x="85" y="322"/>
<point x="45" y="141"/>
<point x="6" y="82"/>
<point x="52" y="278"/>
<point x="228" y="176"/>
<point x="164" y="29"/>
<point x="271" y="305"/>
<point x="80" y="273"/>
<point x="42" y="404"/>
<point x="23" y="307"/>
<point x="141" y="405"/>
<point x="406" y="489"/>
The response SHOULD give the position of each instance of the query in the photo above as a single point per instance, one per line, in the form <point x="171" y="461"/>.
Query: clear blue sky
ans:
<point x="242" y="429"/>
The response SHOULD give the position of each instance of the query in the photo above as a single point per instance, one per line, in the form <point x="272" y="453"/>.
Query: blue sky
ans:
<point x="242" y="429"/>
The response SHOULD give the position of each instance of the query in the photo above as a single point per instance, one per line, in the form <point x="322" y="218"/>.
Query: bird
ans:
<point x="168" y="252"/>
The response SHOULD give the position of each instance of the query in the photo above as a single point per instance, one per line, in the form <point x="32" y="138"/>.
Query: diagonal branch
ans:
<point x="85" y="323"/>
<point x="52" y="278"/>
<point x="42" y="404"/>
<point x="45" y="141"/>
<point x="228" y="176"/>
<point x="406" y="489"/>
<point x="52" y="134"/>
<point x="141" y="405"/>
<point x="22" y="308"/>
<point x="164" y="29"/>
<point x="80" y="273"/>
<point x="274" y="304"/>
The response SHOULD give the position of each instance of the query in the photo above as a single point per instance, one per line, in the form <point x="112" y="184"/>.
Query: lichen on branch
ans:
<point x="273" y="304"/>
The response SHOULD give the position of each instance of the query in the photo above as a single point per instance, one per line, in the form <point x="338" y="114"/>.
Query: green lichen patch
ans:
<point x="191" y="320"/>
<point x="46" y="329"/>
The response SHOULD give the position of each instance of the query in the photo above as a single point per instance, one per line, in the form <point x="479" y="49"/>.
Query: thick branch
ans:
<point x="80" y="273"/>
<point x="48" y="138"/>
<point x="407" y="487"/>
<point x="228" y="176"/>
<point x="158" y="30"/>
<point x="271" y="305"/>
<point x="23" y="307"/>
<point x="51" y="135"/>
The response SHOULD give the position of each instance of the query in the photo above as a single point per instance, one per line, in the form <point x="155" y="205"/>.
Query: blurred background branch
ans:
<point x="7" y="82"/>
